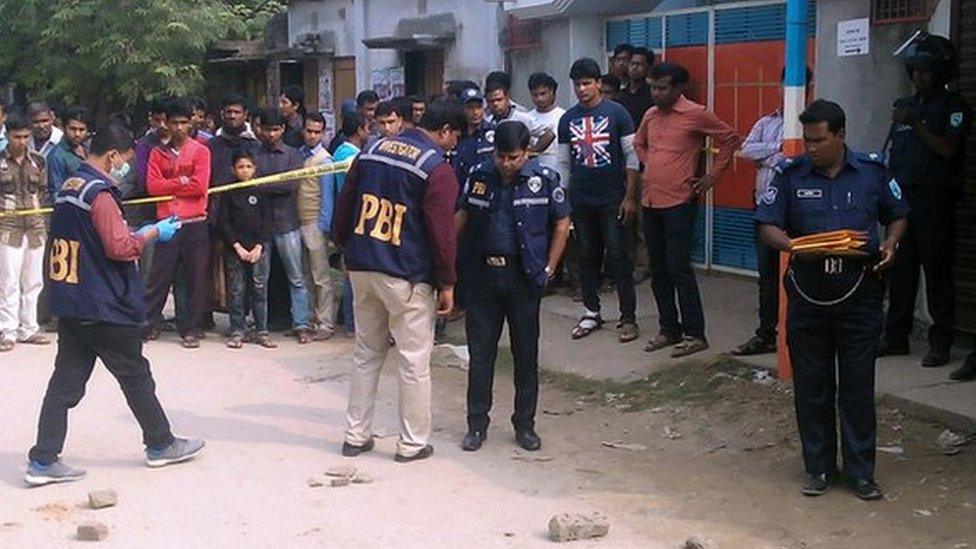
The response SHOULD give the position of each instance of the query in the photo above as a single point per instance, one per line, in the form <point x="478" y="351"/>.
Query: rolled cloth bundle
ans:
<point x="843" y="242"/>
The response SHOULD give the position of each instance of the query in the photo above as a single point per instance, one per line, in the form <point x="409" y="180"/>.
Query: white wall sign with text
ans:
<point x="853" y="37"/>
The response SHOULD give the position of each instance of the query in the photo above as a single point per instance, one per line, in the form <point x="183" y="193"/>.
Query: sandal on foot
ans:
<point x="689" y="345"/>
<point x="660" y="342"/>
<point x="627" y="332"/>
<point x="190" y="342"/>
<point x="235" y="341"/>
<point x="6" y="345"/>
<point x="303" y="336"/>
<point x="36" y="339"/>
<point x="586" y="326"/>
<point x="265" y="341"/>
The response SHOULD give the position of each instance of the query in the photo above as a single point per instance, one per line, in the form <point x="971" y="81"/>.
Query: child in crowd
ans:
<point x="245" y="225"/>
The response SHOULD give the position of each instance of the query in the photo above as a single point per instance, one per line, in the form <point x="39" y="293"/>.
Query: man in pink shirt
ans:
<point x="180" y="168"/>
<point x="669" y="142"/>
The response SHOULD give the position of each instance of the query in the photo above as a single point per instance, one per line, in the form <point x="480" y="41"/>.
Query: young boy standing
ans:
<point x="245" y="225"/>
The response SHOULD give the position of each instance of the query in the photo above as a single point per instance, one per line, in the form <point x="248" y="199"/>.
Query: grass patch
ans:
<point x="689" y="381"/>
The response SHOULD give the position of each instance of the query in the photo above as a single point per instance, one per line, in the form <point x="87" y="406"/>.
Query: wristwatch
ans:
<point x="549" y="272"/>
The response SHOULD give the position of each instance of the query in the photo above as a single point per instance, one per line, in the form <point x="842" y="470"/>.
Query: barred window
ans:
<point x="887" y="12"/>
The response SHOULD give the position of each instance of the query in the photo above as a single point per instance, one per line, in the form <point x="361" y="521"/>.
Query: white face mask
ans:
<point x="120" y="172"/>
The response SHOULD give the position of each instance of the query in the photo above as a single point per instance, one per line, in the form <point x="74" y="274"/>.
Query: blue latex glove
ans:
<point x="167" y="228"/>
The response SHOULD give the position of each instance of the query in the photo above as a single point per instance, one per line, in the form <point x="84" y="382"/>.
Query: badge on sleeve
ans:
<point x="955" y="119"/>
<point x="895" y="189"/>
<point x="535" y="184"/>
<point x="559" y="195"/>
<point x="490" y="136"/>
<point x="769" y="197"/>
<point x="252" y="200"/>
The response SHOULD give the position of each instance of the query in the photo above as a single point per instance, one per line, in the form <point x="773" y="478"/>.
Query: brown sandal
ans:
<point x="36" y="339"/>
<point x="265" y="341"/>
<point x="235" y="341"/>
<point x="660" y="342"/>
<point x="627" y="332"/>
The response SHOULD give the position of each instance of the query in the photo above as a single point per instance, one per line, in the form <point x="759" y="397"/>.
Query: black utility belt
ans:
<point x="830" y="265"/>
<point x="829" y="280"/>
<point x="501" y="261"/>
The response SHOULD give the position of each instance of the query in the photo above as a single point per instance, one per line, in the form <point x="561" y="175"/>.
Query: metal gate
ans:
<point x="734" y="53"/>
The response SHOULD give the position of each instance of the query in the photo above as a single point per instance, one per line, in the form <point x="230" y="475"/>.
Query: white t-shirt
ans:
<point x="541" y="123"/>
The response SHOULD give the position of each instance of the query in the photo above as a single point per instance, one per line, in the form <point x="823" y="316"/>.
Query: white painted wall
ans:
<point x="474" y="53"/>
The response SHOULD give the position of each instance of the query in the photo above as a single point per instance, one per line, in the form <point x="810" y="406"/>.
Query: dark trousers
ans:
<point x="833" y="350"/>
<point x="120" y="348"/>
<point x="592" y="225"/>
<point x="669" y="233"/>
<point x="247" y="287"/>
<point x="767" y="262"/>
<point x="191" y="247"/>
<point x="501" y="294"/>
<point x="929" y="243"/>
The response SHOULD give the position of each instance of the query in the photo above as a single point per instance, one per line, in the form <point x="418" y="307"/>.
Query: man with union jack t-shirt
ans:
<point x="596" y="151"/>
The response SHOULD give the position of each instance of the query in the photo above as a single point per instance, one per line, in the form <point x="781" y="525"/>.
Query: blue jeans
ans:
<point x="248" y="280"/>
<point x="348" y="318"/>
<point x="669" y="233"/>
<point x="593" y="224"/>
<point x="289" y="247"/>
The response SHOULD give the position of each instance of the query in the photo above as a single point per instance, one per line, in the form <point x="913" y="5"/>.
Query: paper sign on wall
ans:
<point x="853" y="37"/>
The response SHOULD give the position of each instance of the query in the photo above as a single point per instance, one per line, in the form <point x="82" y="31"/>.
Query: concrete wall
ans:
<point x="474" y="53"/>
<point x="864" y="85"/>
<point x="563" y="41"/>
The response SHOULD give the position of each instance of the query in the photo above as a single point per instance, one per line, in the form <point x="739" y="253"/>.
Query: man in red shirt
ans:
<point x="180" y="168"/>
<point x="669" y="142"/>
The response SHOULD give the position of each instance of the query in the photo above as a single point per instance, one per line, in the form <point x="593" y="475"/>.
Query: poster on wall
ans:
<point x="853" y="37"/>
<point x="325" y="86"/>
<point x="389" y="82"/>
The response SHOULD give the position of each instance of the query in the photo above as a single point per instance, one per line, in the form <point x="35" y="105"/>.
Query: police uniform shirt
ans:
<point x="913" y="162"/>
<point x="474" y="149"/>
<point x="525" y="210"/>
<point x="803" y="201"/>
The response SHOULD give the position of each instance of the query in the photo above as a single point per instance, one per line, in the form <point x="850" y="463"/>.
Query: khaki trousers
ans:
<point x="319" y="276"/>
<point x="386" y="306"/>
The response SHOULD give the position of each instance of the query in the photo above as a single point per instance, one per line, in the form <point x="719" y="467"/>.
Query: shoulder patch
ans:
<point x="955" y="119"/>
<point x="559" y="195"/>
<point x="478" y="188"/>
<point x="873" y="158"/>
<point x="72" y="184"/>
<point x="769" y="197"/>
<point x="534" y="183"/>
<point x="895" y="189"/>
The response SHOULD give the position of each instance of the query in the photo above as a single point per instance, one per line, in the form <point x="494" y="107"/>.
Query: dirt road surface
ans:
<point x="708" y="453"/>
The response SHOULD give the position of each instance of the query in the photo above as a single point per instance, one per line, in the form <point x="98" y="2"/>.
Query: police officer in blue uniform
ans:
<point x="834" y="315"/>
<point x="98" y="296"/>
<point x="477" y="145"/>
<point x="519" y="218"/>
<point x="927" y="137"/>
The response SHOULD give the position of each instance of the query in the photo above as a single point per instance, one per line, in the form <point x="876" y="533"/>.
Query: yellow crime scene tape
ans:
<point x="312" y="171"/>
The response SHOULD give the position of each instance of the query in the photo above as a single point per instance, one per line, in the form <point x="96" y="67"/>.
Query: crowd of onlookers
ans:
<point x="629" y="153"/>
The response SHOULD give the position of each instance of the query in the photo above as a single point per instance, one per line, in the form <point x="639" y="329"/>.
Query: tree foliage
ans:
<point x="108" y="54"/>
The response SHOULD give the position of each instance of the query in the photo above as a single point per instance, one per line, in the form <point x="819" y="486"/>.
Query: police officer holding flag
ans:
<point x="517" y="218"/>
<point x="834" y="316"/>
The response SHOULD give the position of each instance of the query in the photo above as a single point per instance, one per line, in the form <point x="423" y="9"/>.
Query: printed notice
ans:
<point x="853" y="37"/>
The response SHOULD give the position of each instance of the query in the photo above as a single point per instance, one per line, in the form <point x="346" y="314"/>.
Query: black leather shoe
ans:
<point x="966" y="372"/>
<point x="816" y="485"/>
<point x="755" y="346"/>
<point x="528" y="440"/>
<point x="866" y="489"/>
<point x="425" y="453"/>
<point x="936" y="357"/>
<point x="472" y="441"/>
<point x="893" y="348"/>
<point x="351" y="450"/>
